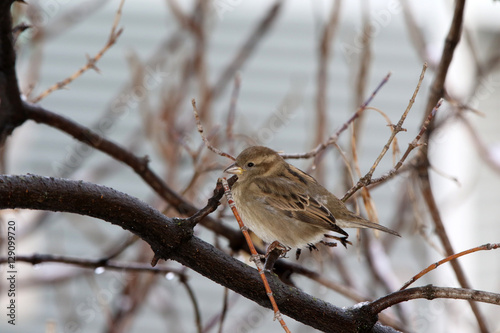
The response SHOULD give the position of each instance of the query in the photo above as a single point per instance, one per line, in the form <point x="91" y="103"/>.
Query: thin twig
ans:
<point x="346" y="163"/>
<point x="431" y="292"/>
<point x="450" y="43"/>
<point x="212" y="322"/>
<point x="37" y="259"/>
<point x="255" y="256"/>
<point x="399" y="126"/>
<point x="224" y="309"/>
<point x="366" y="180"/>
<point x="212" y="204"/>
<point x="192" y="297"/>
<point x="332" y="139"/>
<point x="485" y="247"/>
<point x="113" y="36"/>
<point x="205" y="140"/>
<point x="412" y="145"/>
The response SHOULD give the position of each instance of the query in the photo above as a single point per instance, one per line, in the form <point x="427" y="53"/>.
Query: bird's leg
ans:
<point x="342" y="240"/>
<point x="275" y="251"/>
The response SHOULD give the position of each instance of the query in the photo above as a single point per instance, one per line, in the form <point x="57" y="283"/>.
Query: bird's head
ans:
<point x="255" y="161"/>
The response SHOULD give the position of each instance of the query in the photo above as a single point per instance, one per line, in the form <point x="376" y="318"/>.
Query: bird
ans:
<point x="281" y="203"/>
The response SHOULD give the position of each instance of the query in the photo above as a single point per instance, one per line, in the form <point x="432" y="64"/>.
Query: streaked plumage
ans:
<point x="279" y="202"/>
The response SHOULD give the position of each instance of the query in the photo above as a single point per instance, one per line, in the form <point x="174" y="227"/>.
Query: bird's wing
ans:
<point x="292" y="199"/>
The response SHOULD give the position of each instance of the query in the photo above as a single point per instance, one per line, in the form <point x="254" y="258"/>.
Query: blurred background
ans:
<point x="140" y="97"/>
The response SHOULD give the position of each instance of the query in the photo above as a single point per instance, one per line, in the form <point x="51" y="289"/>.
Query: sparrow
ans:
<point x="279" y="202"/>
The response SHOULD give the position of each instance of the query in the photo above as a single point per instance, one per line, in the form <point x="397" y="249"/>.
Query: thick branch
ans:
<point x="11" y="114"/>
<point x="437" y="92"/>
<point x="173" y="239"/>
<point x="79" y="197"/>
<point x="451" y="41"/>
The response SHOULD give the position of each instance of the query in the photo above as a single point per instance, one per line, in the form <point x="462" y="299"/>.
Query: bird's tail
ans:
<point x="359" y="222"/>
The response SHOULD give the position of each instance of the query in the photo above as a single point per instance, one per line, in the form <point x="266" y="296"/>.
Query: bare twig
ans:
<point x="37" y="259"/>
<point x="399" y="126"/>
<point x="91" y="62"/>
<point x="484" y="247"/>
<point x="224" y="310"/>
<point x="332" y="139"/>
<point x="212" y="203"/>
<point x="205" y="140"/>
<point x="450" y="43"/>
<point x="194" y="301"/>
<point x="255" y="256"/>
<point x="437" y="92"/>
<point x="412" y="145"/>
<point x="348" y="166"/>
<point x="219" y="318"/>
<point x="431" y="292"/>
<point x="367" y="179"/>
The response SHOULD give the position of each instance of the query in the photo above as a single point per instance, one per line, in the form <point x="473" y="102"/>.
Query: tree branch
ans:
<point x="36" y="259"/>
<point x="431" y="292"/>
<point x="91" y="62"/>
<point x="334" y="137"/>
<point x="11" y="114"/>
<point x="173" y="239"/>
<point x="437" y="92"/>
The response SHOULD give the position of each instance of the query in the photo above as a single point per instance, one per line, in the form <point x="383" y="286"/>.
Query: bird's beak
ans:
<point x="234" y="169"/>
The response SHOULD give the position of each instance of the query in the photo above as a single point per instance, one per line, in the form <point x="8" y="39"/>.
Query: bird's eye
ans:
<point x="250" y="164"/>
